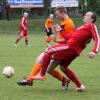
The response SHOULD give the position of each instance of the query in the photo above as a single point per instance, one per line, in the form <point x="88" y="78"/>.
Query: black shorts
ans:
<point x="50" y="32"/>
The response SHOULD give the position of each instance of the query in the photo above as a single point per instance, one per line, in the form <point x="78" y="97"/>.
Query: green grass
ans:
<point x="23" y="58"/>
<point x="35" y="26"/>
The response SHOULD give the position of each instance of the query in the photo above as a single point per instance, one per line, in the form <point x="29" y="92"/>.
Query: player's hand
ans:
<point x="25" y="28"/>
<point x="58" y="28"/>
<point x="21" y="34"/>
<point x="47" y="30"/>
<point x="92" y="54"/>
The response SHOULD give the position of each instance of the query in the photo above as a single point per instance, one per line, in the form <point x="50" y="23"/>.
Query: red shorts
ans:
<point x="63" y="53"/>
<point x="23" y="32"/>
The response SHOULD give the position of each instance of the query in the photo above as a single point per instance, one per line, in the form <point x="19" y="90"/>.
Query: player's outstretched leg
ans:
<point x="65" y="83"/>
<point x="17" y="41"/>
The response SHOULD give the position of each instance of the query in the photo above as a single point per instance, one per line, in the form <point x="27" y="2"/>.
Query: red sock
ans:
<point x="26" y="41"/>
<point x="17" y="40"/>
<point x="45" y="63"/>
<point x="70" y="74"/>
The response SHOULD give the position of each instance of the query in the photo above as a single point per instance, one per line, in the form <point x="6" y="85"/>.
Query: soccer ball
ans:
<point x="8" y="71"/>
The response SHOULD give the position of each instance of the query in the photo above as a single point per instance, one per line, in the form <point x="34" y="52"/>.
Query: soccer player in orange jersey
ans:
<point x="23" y="30"/>
<point x="68" y="26"/>
<point x="49" y="29"/>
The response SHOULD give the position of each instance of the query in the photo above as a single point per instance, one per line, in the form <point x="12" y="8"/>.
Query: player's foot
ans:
<point x="28" y="46"/>
<point x="25" y="82"/>
<point x="39" y="77"/>
<point x="65" y="83"/>
<point x="15" y="45"/>
<point x="47" y="44"/>
<point x="79" y="89"/>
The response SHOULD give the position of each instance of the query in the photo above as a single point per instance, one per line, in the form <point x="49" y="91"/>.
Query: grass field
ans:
<point x="23" y="58"/>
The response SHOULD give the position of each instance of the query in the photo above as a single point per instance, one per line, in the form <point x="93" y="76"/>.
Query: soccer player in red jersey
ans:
<point x="23" y="30"/>
<point x="64" y="54"/>
<point x="67" y="24"/>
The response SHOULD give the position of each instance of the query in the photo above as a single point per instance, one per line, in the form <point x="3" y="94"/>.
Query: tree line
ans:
<point x="84" y="5"/>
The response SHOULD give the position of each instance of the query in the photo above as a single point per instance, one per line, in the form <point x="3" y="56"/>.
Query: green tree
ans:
<point x="89" y="5"/>
<point x="94" y="5"/>
<point x="97" y="8"/>
<point x="2" y="2"/>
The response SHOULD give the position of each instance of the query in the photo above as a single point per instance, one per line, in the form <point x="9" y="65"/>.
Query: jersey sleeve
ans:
<point x="46" y="23"/>
<point x="22" y="22"/>
<point x="69" y="27"/>
<point x="67" y="30"/>
<point x="95" y="36"/>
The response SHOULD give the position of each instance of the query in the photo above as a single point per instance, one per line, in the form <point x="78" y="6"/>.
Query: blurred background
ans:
<point x="13" y="9"/>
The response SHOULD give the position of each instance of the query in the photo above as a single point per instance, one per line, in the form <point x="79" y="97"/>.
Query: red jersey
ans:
<point x="23" y="26"/>
<point x="23" y="23"/>
<point x="82" y="35"/>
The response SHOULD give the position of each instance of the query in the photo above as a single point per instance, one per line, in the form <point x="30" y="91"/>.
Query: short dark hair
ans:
<point x="61" y="9"/>
<point x="94" y="17"/>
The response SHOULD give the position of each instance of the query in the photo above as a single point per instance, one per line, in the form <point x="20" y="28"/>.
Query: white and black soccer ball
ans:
<point x="8" y="71"/>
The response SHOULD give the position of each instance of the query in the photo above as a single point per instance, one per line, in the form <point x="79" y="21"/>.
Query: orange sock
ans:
<point x="48" y="39"/>
<point x="57" y="75"/>
<point x="36" y="68"/>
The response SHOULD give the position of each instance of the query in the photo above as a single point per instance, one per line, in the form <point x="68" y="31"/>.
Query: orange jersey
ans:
<point x="68" y="26"/>
<point x="49" y="23"/>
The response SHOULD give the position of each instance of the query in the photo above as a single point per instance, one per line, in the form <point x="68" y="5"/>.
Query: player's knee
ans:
<point x="61" y="68"/>
<point x="39" y="58"/>
<point x="49" y="71"/>
<point x="26" y="38"/>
